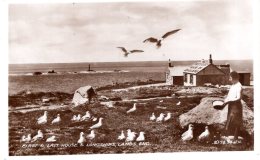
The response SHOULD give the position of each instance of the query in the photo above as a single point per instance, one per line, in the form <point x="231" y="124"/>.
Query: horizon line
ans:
<point x="129" y="61"/>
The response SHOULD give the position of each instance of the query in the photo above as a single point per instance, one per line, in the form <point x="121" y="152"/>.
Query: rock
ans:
<point x="51" y="72"/>
<point x="206" y="114"/>
<point x="37" y="73"/>
<point x="109" y="104"/>
<point x="103" y="98"/>
<point x="83" y="95"/>
<point x="45" y="100"/>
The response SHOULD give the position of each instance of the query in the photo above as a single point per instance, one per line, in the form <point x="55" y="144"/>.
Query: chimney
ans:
<point x="210" y="59"/>
<point x="170" y="64"/>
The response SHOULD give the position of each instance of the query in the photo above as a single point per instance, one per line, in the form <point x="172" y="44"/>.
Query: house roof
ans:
<point x="197" y="67"/>
<point x="177" y="70"/>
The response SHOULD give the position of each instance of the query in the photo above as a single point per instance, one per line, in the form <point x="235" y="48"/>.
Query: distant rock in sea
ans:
<point x="37" y="73"/>
<point x="51" y="72"/>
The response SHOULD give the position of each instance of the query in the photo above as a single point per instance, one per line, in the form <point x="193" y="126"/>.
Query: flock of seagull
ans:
<point x="129" y="137"/>
<point x="157" y="41"/>
<point x="188" y="135"/>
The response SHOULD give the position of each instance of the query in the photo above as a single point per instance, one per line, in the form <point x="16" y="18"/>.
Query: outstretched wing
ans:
<point x="170" y="33"/>
<point x="135" y="50"/>
<point x="123" y="49"/>
<point x="151" y="39"/>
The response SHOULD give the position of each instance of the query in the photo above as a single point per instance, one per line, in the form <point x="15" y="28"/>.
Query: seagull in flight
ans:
<point x="158" y="41"/>
<point x="126" y="52"/>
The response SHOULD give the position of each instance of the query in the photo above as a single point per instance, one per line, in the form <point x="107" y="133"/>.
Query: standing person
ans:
<point x="233" y="100"/>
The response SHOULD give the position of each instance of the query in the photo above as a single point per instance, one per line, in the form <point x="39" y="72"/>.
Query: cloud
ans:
<point x="88" y="31"/>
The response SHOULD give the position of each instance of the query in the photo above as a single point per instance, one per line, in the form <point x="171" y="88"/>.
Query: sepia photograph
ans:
<point x="130" y="77"/>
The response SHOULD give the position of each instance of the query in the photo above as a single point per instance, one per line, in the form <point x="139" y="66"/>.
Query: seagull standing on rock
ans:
<point x="152" y="118"/>
<point x="204" y="135"/>
<point x="160" y="118"/>
<point x="188" y="135"/>
<point x="38" y="136"/>
<point x="132" y="109"/>
<point x="81" y="138"/>
<point x="56" y="120"/>
<point x="121" y="136"/>
<point x="140" y="137"/>
<point x="42" y="119"/>
<point x="51" y="139"/>
<point x="91" y="135"/>
<point x="167" y="117"/>
<point x="97" y="125"/>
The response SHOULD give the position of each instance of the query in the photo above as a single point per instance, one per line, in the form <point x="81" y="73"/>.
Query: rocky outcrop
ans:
<point x="206" y="114"/>
<point x="83" y="95"/>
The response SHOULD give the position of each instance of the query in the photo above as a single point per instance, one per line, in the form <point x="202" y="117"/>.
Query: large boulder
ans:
<point x="83" y="95"/>
<point x="206" y="114"/>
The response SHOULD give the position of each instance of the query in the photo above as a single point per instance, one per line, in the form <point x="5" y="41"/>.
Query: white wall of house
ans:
<point x="169" y="78"/>
<point x="189" y="77"/>
<point x="194" y="80"/>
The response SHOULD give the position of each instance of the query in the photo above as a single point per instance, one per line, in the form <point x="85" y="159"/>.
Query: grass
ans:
<point x="162" y="137"/>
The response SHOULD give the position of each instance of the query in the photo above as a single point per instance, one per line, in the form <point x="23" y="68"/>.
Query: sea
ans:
<point x="100" y="67"/>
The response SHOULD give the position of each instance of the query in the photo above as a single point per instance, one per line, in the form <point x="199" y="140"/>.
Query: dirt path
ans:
<point x="142" y="86"/>
<point x="30" y="108"/>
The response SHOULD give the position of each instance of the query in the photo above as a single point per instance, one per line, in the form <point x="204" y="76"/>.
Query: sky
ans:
<point x="91" y="32"/>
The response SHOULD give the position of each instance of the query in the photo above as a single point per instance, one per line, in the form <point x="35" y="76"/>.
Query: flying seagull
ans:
<point x="126" y="52"/>
<point x="158" y="41"/>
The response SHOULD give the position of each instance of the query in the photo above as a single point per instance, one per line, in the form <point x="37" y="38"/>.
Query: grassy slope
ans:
<point x="163" y="137"/>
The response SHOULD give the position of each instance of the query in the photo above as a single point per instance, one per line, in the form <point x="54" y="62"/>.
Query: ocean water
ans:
<point x="21" y="79"/>
<point x="154" y="66"/>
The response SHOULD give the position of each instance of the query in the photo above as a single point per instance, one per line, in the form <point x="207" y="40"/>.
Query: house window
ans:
<point x="191" y="79"/>
<point x="185" y="77"/>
